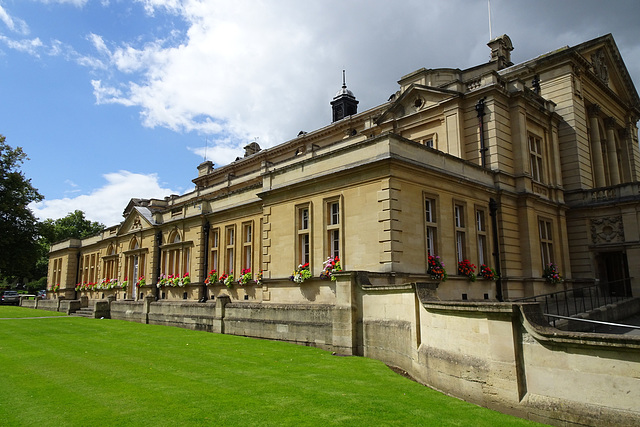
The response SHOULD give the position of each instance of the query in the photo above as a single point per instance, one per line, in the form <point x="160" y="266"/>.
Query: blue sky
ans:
<point x="114" y="99"/>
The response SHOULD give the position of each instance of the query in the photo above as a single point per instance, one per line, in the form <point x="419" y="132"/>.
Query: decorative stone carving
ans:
<point x="599" y="66"/>
<point x="593" y="110"/>
<point x="136" y="223"/>
<point x="607" y="230"/>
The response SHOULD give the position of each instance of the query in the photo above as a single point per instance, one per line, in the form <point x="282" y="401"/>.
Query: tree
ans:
<point x="72" y="226"/>
<point x="18" y="225"/>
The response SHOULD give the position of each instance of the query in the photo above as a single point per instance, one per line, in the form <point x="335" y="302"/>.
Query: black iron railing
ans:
<point x="570" y="302"/>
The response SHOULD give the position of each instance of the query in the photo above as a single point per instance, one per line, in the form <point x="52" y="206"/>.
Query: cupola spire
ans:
<point x="344" y="103"/>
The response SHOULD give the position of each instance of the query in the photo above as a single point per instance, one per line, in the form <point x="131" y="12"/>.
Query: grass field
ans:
<point x="84" y="372"/>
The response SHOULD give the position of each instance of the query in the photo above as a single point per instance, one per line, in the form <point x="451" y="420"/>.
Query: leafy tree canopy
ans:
<point x="18" y="226"/>
<point x="72" y="226"/>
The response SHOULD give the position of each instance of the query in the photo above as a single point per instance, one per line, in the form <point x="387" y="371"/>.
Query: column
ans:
<point x="596" y="147"/>
<point x="614" y="171"/>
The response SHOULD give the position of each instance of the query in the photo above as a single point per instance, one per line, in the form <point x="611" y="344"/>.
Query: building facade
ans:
<point x="515" y="167"/>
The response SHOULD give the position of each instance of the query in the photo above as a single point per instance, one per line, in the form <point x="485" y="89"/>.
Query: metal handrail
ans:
<point x="570" y="302"/>
<point x="599" y="322"/>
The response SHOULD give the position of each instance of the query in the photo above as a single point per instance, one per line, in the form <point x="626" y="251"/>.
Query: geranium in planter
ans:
<point x="436" y="268"/>
<point x="141" y="281"/>
<point x="163" y="281"/>
<point x="245" y="276"/>
<point x="487" y="272"/>
<point x="228" y="280"/>
<point x="186" y="279"/>
<point x="212" y="277"/>
<point x="465" y="268"/>
<point x="330" y="266"/>
<point x="301" y="273"/>
<point x="551" y="274"/>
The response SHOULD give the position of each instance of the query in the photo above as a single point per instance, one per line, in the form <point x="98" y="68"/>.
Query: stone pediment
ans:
<point x="415" y="99"/>
<point x="605" y="62"/>
<point x="136" y="220"/>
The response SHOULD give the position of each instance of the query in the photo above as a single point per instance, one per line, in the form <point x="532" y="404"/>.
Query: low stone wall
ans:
<point x="134" y="311"/>
<point x="28" y="303"/>
<point x="49" y="304"/>
<point x="593" y="378"/>
<point x="190" y="315"/>
<point x="298" y="323"/>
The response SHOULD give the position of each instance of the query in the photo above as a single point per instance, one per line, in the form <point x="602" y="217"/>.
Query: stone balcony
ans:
<point x="603" y="195"/>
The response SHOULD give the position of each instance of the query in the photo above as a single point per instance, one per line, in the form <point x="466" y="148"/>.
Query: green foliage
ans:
<point x="124" y="373"/>
<point x="37" y="285"/>
<point x="72" y="226"/>
<point x="18" y="226"/>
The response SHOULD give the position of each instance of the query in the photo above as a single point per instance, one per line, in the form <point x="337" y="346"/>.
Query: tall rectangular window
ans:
<point x="481" y="229"/>
<point x="247" y="244"/>
<point x="431" y="230"/>
<point x="171" y="262"/>
<point x="459" y="223"/>
<point x="230" y="233"/>
<point x="215" y="246"/>
<point x="303" y="248"/>
<point x="186" y="260"/>
<point x="535" y="158"/>
<point x="57" y="271"/>
<point x="333" y="228"/>
<point x="546" y="242"/>
<point x="92" y="272"/>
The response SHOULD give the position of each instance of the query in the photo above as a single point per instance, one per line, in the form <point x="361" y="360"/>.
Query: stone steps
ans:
<point x="85" y="312"/>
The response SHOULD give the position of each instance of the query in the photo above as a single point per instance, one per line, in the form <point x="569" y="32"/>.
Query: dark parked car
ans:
<point x="10" y="297"/>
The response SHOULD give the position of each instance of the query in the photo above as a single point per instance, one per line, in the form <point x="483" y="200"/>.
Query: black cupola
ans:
<point x="344" y="103"/>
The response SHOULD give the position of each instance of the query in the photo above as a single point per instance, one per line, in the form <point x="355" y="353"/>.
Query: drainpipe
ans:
<point x="483" y="149"/>
<point x="75" y="291"/>
<point x="493" y="212"/>
<point x="205" y="229"/>
<point x="159" y="260"/>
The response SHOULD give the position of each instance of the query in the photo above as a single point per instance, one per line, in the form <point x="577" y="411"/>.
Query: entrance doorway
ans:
<point x="613" y="271"/>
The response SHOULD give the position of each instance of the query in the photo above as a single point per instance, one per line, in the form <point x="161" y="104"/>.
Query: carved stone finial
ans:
<point x="501" y="48"/>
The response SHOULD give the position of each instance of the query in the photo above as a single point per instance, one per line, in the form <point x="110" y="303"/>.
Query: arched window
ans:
<point x="110" y="263"/>
<point x="134" y="244"/>
<point x="174" y="237"/>
<point x="176" y="256"/>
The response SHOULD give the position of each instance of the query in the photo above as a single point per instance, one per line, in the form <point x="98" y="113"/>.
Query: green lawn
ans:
<point x="82" y="372"/>
<point x="10" y="311"/>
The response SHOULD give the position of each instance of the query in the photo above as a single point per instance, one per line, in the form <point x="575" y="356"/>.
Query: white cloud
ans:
<point x="242" y="71"/>
<point x="30" y="46"/>
<point x="77" y="3"/>
<point x="14" y="24"/>
<point x="106" y="203"/>
<point x="219" y="154"/>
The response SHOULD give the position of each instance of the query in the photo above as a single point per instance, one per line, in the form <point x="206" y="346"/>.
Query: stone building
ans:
<point x="515" y="166"/>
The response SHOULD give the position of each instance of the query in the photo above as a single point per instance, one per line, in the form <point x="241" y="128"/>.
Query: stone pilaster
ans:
<point x="614" y="170"/>
<point x="596" y="147"/>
